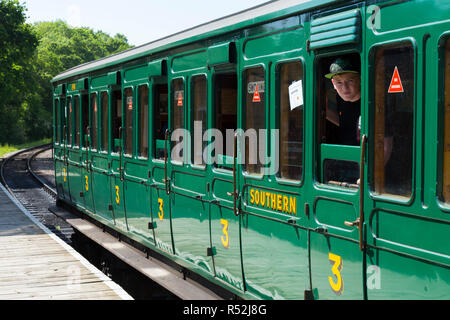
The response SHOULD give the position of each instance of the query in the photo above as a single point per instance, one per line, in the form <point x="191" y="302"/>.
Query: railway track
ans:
<point x="32" y="184"/>
<point x="36" y="193"/>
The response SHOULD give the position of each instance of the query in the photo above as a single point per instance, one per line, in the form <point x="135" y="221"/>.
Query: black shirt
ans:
<point x="349" y="122"/>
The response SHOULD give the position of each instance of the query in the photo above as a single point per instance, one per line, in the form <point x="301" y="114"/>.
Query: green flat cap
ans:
<point x="341" y="66"/>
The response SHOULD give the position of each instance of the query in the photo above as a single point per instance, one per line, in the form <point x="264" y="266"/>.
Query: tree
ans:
<point x="17" y="46"/>
<point x="62" y="47"/>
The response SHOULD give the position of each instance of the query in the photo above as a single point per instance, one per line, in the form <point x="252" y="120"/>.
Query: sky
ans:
<point x="141" y="21"/>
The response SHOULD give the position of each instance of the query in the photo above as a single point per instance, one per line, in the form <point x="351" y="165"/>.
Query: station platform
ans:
<point x="36" y="264"/>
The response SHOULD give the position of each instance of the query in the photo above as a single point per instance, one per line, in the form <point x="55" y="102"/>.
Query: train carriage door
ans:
<point x="74" y="162"/>
<point x="336" y="256"/>
<point x="91" y="140"/>
<point x="86" y="177"/>
<point x="406" y="219"/>
<point x="136" y="152"/>
<point x="219" y="156"/>
<point x="274" y="236"/>
<point x="271" y="153"/>
<point x="61" y="141"/>
<point x="117" y="133"/>
<point x="187" y="173"/>
<point x="160" y="142"/>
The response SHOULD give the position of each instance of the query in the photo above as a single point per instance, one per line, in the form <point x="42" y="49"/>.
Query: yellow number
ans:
<point x="338" y="286"/>
<point x="64" y="174"/>
<point x="161" y="211"/>
<point x="226" y="239"/>
<point x="117" y="195"/>
<point x="87" y="183"/>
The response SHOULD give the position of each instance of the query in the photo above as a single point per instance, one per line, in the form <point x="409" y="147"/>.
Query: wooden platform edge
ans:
<point x="107" y="281"/>
<point x="162" y="274"/>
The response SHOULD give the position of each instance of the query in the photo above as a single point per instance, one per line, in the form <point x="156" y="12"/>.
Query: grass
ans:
<point x="11" y="148"/>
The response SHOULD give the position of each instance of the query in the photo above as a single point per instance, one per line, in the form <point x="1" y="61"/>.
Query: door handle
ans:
<point x="355" y="223"/>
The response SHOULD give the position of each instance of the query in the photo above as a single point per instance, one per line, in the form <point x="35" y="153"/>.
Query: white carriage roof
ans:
<point x="247" y="17"/>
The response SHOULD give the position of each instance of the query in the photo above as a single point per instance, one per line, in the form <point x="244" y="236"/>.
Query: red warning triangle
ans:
<point x="180" y="100"/>
<point x="256" y="96"/>
<point x="396" y="83"/>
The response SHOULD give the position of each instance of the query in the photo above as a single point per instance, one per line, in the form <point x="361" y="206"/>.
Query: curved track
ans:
<point x="35" y="193"/>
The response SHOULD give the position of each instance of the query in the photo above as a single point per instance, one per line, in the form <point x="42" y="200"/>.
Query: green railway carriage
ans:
<point x="263" y="228"/>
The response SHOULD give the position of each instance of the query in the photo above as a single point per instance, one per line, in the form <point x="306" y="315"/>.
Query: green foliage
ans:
<point x="30" y="56"/>
<point x="17" y="47"/>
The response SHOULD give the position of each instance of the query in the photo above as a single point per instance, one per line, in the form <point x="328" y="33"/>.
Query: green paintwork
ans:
<point x="282" y="250"/>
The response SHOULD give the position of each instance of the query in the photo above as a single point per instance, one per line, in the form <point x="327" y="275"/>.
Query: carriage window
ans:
<point x="446" y="144"/>
<point x="94" y="122"/>
<point x="178" y="105"/>
<point x="105" y="115"/>
<point x="57" y="124"/>
<point x="116" y="120"/>
<point x="290" y="99"/>
<point x="339" y="120"/>
<point x="393" y="116"/>
<point x="143" y="122"/>
<point x="160" y="116"/>
<point x="255" y="119"/>
<point x="77" y="120"/>
<point x="69" y="120"/>
<point x="85" y="119"/>
<point x="225" y="100"/>
<point x="199" y="109"/>
<point x="128" y="98"/>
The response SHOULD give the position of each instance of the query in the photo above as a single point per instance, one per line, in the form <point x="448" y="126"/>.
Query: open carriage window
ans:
<point x="225" y="114"/>
<point x="392" y="112"/>
<point x="116" y="119"/>
<point x="339" y="120"/>
<point x="160" y="117"/>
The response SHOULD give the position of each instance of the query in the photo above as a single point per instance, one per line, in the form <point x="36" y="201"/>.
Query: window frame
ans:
<point x="387" y="197"/>
<point x="91" y="121"/>
<point x="171" y="120"/>
<point x="443" y="43"/>
<point x="347" y="153"/>
<point x="191" y="116"/>
<point x="104" y="137"/>
<point x="154" y="93"/>
<point x="265" y="68"/>
<point x="276" y="69"/>
<point x="139" y="130"/>
<point x="125" y="113"/>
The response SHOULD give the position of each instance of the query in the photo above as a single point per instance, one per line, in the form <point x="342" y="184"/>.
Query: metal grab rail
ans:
<point x="360" y="221"/>
<point x="235" y="193"/>
<point x="166" y="137"/>
<point x="120" y="155"/>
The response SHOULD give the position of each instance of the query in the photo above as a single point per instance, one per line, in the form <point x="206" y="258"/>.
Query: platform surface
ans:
<point x="36" y="264"/>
